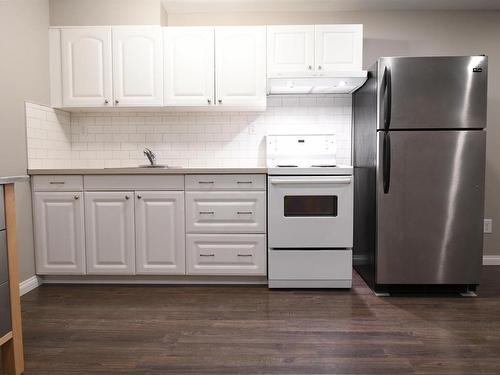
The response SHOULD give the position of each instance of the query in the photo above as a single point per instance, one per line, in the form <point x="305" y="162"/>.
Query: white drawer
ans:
<point x="226" y="212"/>
<point x="226" y="254"/>
<point x="57" y="183"/>
<point x="134" y="182"/>
<point x="297" y="264"/>
<point x="226" y="182"/>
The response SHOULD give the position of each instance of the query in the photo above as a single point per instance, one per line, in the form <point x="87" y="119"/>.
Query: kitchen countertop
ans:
<point x="12" y="179"/>
<point x="146" y="171"/>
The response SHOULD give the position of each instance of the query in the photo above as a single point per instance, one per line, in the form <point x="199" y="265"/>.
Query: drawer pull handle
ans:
<point x="244" y="212"/>
<point x="57" y="182"/>
<point x="245" y="182"/>
<point x="207" y="213"/>
<point x="205" y="182"/>
<point x="245" y="255"/>
<point x="207" y="255"/>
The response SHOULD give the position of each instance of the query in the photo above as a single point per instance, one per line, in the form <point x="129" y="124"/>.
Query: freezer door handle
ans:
<point x="387" y="84"/>
<point x="386" y="162"/>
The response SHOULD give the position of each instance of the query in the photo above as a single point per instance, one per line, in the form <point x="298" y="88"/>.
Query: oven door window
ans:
<point x="310" y="205"/>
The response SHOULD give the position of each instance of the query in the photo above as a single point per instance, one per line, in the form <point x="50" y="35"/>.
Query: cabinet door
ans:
<point x="290" y="49"/>
<point x="160" y="240"/>
<point x="240" y="66"/>
<point x="338" y="47"/>
<point x="59" y="233"/>
<point x="109" y="224"/>
<point x="86" y="67"/>
<point x="138" y="66"/>
<point x="189" y="66"/>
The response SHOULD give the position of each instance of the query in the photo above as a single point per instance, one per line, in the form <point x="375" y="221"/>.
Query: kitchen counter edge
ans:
<point x="146" y="171"/>
<point x="13" y="179"/>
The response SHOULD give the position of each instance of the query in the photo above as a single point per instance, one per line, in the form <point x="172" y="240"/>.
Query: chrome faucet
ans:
<point x="150" y="155"/>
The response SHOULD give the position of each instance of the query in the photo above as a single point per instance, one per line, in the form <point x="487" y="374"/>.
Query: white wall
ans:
<point x="23" y="76"/>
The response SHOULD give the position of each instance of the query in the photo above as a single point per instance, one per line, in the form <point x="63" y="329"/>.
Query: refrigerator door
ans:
<point x="432" y="92"/>
<point x="430" y="221"/>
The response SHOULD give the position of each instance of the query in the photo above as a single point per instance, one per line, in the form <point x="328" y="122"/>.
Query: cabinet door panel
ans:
<point x="138" y="66"/>
<point x="189" y="66"/>
<point x="109" y="219"/>
<point x="290" y="49"/>
<point x="59" y="233"/>
<point x="338" y="47"/>
<point x="86" y="67"/>
<point x="240" y="63"/>
<point x="160" y="232"/>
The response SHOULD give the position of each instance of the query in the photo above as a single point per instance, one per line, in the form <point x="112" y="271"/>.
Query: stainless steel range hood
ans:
<point x="333" y="83"/>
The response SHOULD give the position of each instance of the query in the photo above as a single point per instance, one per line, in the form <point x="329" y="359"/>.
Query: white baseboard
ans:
<point x="29" y="284"/>
<point x="491" y="260"/>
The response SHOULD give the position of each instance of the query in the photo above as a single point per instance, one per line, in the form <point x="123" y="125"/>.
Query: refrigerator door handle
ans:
<point x="387" y="98"/>
<point x="386" y="162"/>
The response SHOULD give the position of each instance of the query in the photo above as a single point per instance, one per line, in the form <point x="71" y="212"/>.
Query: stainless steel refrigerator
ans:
<point x="419" y="144"/>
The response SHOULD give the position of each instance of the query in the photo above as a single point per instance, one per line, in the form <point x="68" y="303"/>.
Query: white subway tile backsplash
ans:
<point x="57" y="139"/>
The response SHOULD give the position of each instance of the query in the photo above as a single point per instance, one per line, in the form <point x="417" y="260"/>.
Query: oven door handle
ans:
<point x="332" y="180"/>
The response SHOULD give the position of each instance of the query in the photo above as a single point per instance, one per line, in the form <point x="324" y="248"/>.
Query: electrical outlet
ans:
<point x="488" y="226"/>
<point x="252" y="130"/>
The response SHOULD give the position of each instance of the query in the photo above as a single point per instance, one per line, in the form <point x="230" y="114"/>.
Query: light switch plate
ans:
<point x="488" y="226"/>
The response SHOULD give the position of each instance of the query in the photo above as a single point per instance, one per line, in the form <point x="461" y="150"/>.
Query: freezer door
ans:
<point x="432" y="92"/>
<point x="429" y="223"/>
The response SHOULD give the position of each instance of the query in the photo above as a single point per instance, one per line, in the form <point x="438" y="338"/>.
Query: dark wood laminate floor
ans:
<point x="251" y="330"/>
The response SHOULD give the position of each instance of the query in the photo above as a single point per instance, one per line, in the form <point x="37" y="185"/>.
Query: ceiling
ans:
<point x="197" y="6"/>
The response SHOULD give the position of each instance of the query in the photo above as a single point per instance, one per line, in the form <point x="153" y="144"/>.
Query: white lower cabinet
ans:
<point x="227" y="254"/>
<point x="226" y="212"/>
<point x="59" y="233"/>
<point x="160" y="238"/>
<point x="110" y="238"/>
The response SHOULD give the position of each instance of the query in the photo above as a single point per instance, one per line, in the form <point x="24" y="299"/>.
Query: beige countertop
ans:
<point x="146" y="171"/>
<point x="12" y="179"/>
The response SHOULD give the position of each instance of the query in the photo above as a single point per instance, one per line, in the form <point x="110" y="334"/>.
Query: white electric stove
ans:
<point x="310" y="213"/>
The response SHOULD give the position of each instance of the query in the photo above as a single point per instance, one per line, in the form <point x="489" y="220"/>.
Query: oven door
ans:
<point x="310" y="211"/>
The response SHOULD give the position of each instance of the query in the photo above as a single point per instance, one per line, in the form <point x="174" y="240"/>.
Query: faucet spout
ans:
<point x="150" y="155"/>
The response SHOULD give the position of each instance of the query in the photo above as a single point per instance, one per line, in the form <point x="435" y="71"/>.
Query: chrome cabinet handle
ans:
<point x="220" y="101"/>
<point x="77" y="197"/>
<point x="57" y="182"/>
<point x="310" y="67"/>
<point x="117" y="101"/>
<point x="127" y="197"/>
<point x="205" y="182"/>
<point x="244" y="212"/>
<point x="207" y="255"/>
<point x="206" y="213"/>
<point x="106" y="101"/>
<point x="245" y="255"/>
<point x="139" y="197"/>
<point x="244" y="182"/>
<point x="209" y="101"/>
<point x="319" y="67"/>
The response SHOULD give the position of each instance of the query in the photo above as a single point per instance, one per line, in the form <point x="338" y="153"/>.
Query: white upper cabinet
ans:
<point x="59" y="233"/>
<point x="159" y="223"/>
<point x="290" y="49"/>
<point x="240" y="66"/>
<point x="138" y="66"/>
<point x="189" y="66"/>
<point x="86" y="67"/>
<point x="338" y="47"/>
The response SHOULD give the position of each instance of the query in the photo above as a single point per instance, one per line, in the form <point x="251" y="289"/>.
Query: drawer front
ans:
<point x="5" y="322"/>
<point x="227" y="254"/>
<point x="134" y="182"/>
<point x="226" y="182"/>
<point x="226" y="212"/>
<point x="4" y="269"/>
<point x="2" y="209"/>
<point x="58" y="183"/>
<point x="310" y="264"/>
